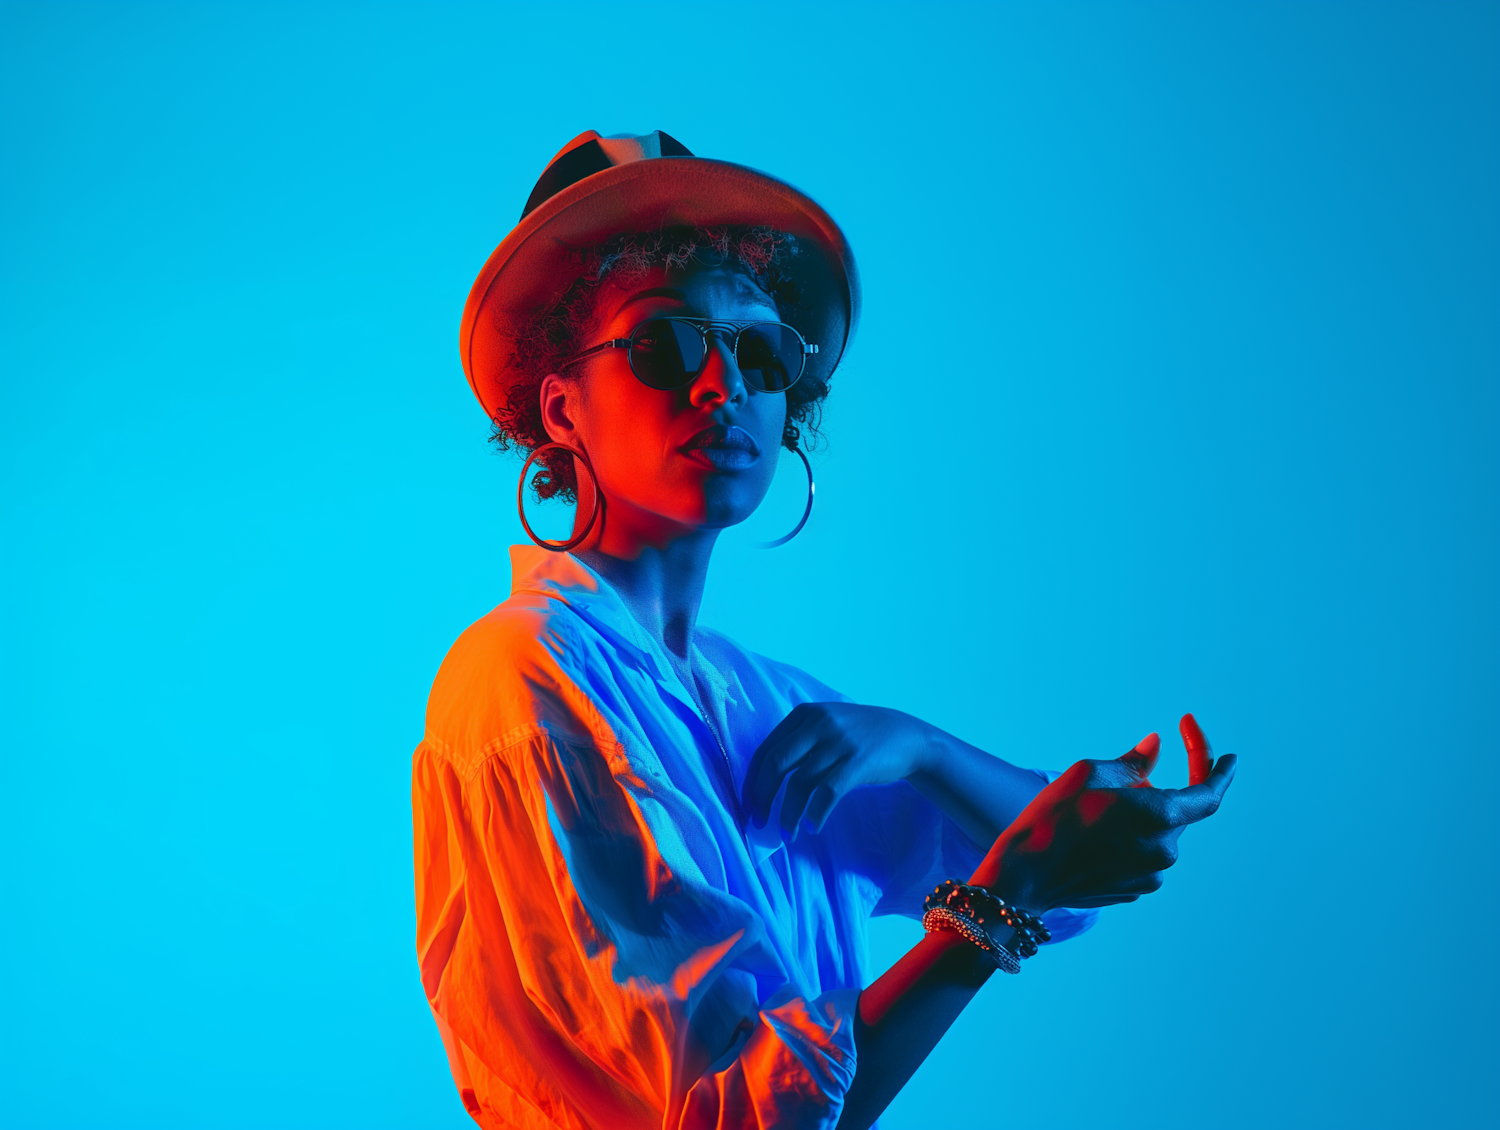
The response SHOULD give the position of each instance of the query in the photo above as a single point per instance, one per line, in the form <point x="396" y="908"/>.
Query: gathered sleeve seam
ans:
<point x="466" y="769"/>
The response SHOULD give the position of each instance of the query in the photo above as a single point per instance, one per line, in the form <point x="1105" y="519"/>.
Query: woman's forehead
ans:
<point x="716" y="291"/>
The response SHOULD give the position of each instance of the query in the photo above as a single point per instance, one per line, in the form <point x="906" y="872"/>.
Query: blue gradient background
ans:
<point x="1176" y="390"/>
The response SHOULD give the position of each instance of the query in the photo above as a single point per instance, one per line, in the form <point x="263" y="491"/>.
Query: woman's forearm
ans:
<point x="903" y="1015"/>
<point x="976" y="790"/>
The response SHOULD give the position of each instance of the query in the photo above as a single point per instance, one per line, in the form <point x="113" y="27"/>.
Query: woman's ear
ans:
<point x="559" y="408"/>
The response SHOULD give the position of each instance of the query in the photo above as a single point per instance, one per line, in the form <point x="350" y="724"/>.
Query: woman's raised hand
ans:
<point x="824" y="749"/>
<point x="1100" y="833"/>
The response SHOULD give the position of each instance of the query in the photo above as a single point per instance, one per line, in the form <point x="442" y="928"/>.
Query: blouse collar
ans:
<point x="566" y="578"/>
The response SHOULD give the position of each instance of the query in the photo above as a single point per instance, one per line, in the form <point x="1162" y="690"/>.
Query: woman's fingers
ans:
<point x="1142" y="759"/>
<point x="766" y="752"/>
<point x="829" y="793"/>
<point x="1198" y="802"/>
<point x="783" y="749"/>
<point x="808" y="775"/>
<point x="1128" y="770"/>
<point x="1200" y="753"/>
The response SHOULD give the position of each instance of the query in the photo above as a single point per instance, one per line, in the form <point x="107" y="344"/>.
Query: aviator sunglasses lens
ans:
<point x="770" y="356"/>
<point x="666" y="354"/>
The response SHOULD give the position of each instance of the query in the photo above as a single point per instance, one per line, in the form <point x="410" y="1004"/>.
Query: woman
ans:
<point x="645" y="857"/>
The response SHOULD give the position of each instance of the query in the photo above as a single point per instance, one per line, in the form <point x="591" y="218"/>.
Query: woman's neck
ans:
<point x="662" y="587"/>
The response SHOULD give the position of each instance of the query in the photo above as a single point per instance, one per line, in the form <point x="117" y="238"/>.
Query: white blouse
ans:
<point x="604" y="940"/>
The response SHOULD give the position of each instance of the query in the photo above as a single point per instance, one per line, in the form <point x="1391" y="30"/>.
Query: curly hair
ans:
<point x="761" y="252"/>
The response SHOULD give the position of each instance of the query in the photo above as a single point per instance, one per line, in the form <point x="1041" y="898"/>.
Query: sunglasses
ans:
<point x="669" y="353"/>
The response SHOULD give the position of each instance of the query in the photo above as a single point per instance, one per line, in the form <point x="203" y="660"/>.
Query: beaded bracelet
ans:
<point x="941" y="918"/>
<point x="973" y="912"/>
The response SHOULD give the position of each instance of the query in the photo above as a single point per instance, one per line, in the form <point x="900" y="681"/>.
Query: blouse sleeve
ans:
<point x="901" y="842"/>
<point x="892" y="835"/>
<point x="575" y="979"/>
<point x="906" y="846"/>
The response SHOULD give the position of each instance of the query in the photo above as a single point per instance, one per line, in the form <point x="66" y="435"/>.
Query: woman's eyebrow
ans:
<point x="655" y="292"/>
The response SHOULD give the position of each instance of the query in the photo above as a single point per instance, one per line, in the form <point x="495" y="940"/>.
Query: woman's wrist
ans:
<point x="1016" y="894"/>
<point x="979" y="792"/>
<point x="999" y="874"/>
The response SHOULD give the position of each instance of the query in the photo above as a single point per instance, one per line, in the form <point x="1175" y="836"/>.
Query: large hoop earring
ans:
<point x="578" y="457"/>
<point x="806" y="511"/>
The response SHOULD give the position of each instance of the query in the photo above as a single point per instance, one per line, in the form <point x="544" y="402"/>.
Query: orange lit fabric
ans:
<point x="602" y="941"/>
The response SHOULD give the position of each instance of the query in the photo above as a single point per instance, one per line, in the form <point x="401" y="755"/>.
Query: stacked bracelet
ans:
<point x="976" y="914"/>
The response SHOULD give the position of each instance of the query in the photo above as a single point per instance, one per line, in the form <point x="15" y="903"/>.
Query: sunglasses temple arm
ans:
<point x="613" y="343"/>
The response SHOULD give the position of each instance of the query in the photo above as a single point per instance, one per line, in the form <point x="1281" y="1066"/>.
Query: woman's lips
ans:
<point x="724" y="449"/>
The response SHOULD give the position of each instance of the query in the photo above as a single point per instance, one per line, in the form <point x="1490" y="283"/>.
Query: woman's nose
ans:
<point x="721" y="378"/>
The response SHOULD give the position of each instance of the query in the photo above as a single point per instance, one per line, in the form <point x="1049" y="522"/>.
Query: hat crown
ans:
<point x="590" y="152"/>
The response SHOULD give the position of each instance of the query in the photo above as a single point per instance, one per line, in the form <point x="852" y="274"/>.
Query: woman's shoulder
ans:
<point x="501" y="680"/>
<point x="507" y="642"/>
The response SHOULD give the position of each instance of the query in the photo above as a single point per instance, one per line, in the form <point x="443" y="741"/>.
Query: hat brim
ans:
<point x="528" y="273"/>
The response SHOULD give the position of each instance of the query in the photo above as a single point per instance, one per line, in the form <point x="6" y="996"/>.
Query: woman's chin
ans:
<point x="729" y="504"/>
<point x="714" y="502"/>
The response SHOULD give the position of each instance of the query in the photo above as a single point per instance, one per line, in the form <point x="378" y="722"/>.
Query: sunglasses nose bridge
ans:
<point x="713" y="335"/>
<point x="728" y="334"/>
<point x="726" y="375"/>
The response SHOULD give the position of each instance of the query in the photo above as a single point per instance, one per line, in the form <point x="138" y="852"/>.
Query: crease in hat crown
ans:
<point x="590" y="153"/>
<point x="600" y="186"/>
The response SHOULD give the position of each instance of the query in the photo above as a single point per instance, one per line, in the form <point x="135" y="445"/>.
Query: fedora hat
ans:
<point x="598" y="187"/>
